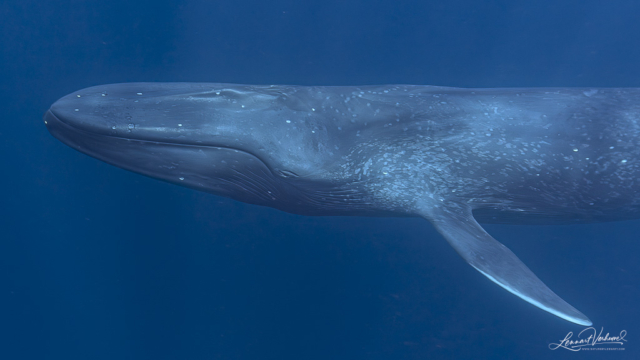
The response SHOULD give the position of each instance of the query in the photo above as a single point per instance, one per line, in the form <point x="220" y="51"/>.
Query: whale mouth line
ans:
<point x="50" y="115"/>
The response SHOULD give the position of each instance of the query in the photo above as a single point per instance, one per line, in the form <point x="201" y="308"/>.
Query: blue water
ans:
<point x="100" y="263"/>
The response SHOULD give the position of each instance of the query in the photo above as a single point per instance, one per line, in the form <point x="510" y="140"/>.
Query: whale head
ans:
<point x="250" y="143"/>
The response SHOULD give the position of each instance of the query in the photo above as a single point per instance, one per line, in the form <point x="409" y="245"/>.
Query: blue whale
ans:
<point x="456" y="157"/>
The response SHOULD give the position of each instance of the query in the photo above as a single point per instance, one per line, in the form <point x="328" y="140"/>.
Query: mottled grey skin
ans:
<point x="516" y="156"/>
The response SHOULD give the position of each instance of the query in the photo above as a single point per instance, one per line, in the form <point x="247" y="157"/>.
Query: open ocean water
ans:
<point x="100" y="263"/>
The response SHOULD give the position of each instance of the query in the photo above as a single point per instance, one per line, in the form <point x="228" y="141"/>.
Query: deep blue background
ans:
<point x="100" y="263"/>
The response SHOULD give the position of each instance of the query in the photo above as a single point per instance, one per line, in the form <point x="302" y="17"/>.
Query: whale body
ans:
<point x="456" y="157"/>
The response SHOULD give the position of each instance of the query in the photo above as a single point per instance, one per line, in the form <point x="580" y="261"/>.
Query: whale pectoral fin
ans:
<point x="497" y="262"/>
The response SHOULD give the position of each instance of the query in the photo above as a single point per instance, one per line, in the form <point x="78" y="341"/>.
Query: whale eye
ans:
<point x="286" y="173"/>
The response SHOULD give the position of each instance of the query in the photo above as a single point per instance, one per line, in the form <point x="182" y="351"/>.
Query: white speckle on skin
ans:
<point x="78" y="95"/>
<point x="113" y="127"/>
<point x="179" y="124"/>
<point x="288" y="121"/>
<point x="623" y="161"/>
<point x="590" y="92"/>
<point x="139" y="93"/>
<point x="181" y="178"/>
<point x="575" y="150"/>
<point x="77" y="109"/>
